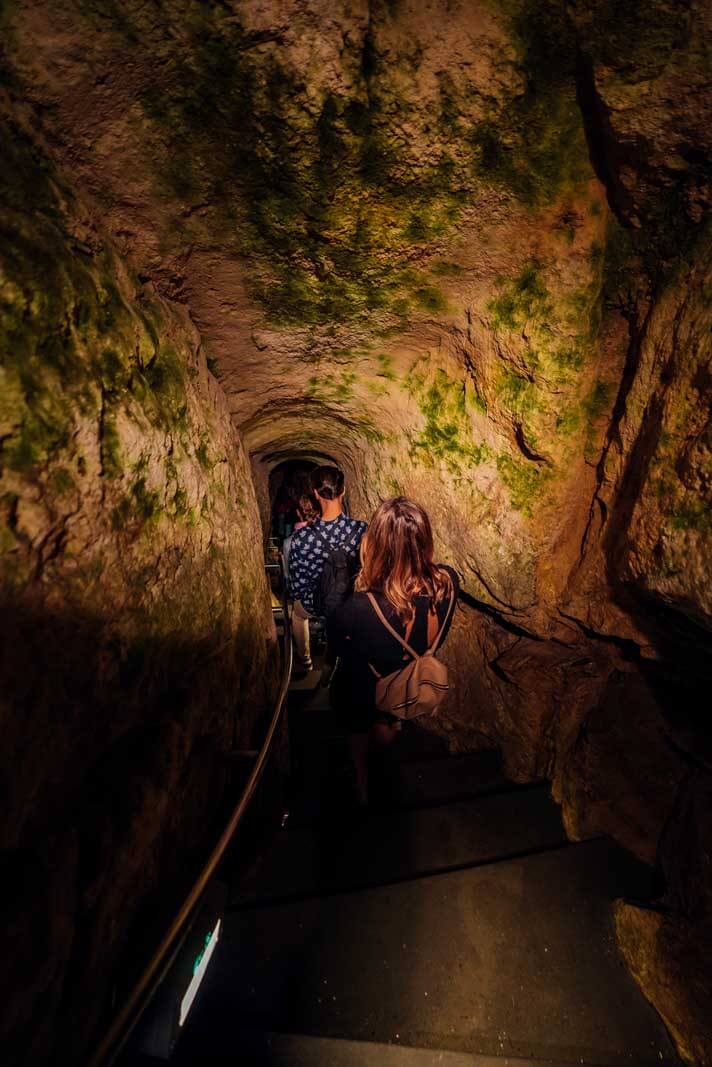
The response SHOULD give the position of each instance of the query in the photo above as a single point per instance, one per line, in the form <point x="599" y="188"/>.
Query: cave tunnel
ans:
<point x="289" y="480"/>
<point x="460" y="252"/>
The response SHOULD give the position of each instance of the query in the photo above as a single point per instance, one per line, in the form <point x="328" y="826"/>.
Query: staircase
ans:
<point x="452" y="925"/>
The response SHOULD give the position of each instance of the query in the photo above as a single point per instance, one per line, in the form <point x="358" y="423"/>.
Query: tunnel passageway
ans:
<point x="453" y="925"/>
<point x="462" y="251"/>
<point x="288" y="482"/>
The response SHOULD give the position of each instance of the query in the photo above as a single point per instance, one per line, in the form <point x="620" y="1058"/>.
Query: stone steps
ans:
<point x="401" y="844"/>
<point x="512" y="959"/>
<point x="303" y="1050"/>
<point x="455" y="926"/>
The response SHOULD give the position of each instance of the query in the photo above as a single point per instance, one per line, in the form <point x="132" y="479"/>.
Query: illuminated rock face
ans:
<point x="462" y="249"/>
<point x="136" y="635"/>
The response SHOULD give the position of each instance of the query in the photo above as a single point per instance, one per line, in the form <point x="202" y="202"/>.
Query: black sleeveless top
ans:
<point x="358" y="637"/>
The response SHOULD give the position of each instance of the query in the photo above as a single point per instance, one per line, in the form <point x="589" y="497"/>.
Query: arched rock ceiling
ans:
<point x="385" y="221"/>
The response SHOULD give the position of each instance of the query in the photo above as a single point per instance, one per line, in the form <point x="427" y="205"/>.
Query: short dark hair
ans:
<point x="328" y="482"/>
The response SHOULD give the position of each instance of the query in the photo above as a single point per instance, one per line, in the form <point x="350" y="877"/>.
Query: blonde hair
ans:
<point x="397" y="557"/>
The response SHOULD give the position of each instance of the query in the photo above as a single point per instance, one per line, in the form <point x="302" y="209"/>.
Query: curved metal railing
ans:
<point x="127" y="1018"/>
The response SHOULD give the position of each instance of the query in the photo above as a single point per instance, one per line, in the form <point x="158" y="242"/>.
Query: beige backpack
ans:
<point x="420" y="687"/>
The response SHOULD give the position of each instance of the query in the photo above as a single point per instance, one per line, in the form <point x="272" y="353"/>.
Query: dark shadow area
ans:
<point x="114" y="776"/>
<point x="681" y="676"/>
<point x="288" y="482"/>
<point x="607" y="157"/>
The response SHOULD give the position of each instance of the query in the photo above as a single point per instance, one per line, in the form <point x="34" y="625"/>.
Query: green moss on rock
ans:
<point x="690" y="513"/>
<point x="318" y="198"/>
<point x="596" y="404"/>
<point x="89" y="367"/>
<point x="524" y="480"/>
<point x="534" y="146"/>
<point x="385" y="367"/>
<point x="110" y="448"/>
<point x="325" y="197"/>
<point x="560" y="333"/>
<point x="568" y="421"/>
<point x="522" y="300"/>
<point x="635" y="38"/>
<point x="147" y="502"/>
<point x="332" y="387"/>
<point x="517" y="393"/>
<point x="447" y="433"/>
<point x="71" y="345"/>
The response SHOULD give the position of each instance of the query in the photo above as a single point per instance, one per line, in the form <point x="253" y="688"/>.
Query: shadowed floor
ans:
<point x="453" y="926"/>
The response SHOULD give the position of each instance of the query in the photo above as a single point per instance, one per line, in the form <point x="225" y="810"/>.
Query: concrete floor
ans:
<point x="390" y="847"/>
<point x="434" y="932"/>
<point x="298" y="1050"/>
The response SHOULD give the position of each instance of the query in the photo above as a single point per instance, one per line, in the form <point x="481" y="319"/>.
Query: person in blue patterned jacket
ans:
<point x="309" y="548"/>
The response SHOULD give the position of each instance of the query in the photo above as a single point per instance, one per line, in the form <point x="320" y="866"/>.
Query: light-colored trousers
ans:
<point x="300" y="630"/>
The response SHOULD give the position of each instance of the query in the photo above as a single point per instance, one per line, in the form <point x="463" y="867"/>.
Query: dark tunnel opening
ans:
<point x="288" y="484"/>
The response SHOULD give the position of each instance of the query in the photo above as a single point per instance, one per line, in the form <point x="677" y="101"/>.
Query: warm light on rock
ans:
<point x="461" y="249"/>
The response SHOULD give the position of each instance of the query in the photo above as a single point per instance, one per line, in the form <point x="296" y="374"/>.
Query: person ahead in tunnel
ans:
<point x="310" y="547"/>
<point x="283" y="513"/>
<point x="416" y="598"/>
<point x="307" y="513"/>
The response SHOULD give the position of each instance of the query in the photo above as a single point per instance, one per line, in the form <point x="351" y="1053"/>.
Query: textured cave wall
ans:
<point x="387" y="227"/>
<point x="667" y="948"/>
<point x="136" y="639"/>
<point x="462" y="248"/>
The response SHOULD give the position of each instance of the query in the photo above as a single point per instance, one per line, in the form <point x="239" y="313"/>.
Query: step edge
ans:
<point x="475" y="1059"/>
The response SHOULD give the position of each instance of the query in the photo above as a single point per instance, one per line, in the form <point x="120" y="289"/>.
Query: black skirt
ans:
<point x="353" y="699"/>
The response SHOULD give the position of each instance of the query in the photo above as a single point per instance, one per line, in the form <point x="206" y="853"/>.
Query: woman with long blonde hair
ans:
<point x="416" y="597"/>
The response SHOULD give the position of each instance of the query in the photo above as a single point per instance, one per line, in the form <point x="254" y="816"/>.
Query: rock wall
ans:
<point x="136" y="638"/>
<point x="463" y="249"/>
<point x="667" y="948"/>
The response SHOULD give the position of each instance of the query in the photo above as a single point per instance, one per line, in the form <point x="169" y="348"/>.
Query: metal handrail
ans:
<point x="136" y="1003"/>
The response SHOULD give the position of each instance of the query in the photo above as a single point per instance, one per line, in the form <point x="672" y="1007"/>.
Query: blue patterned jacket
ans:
<point x="307" y="552"/>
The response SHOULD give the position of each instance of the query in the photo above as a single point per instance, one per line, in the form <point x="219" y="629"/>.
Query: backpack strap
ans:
<point x="394" y="633"/>
<point x="406" y="646"/>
